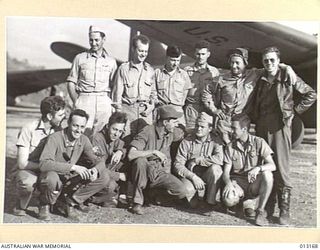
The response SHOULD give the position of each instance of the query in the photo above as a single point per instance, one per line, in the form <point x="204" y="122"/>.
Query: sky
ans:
<point x="30" y="37"/>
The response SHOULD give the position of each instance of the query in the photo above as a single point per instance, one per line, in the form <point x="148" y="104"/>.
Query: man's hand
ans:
<point x="116" y="157"/>
<point x="162" y="156"/>
<point x="93" y="174"/>
<point x="198" y="182"/>
<point x="198" y="160"/>
<point x="220" y="114"/>
<point x="122" y="177"/>
<point x="228" y="188"/>
<point x="82" y="171"/>
<point x="252" y="174"/>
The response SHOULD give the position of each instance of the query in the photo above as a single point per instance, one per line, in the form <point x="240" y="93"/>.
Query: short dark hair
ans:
<point x="243" y="120"/>
<point x="271" y="49"/>
<point x="202" y="44"/>
<point x="117" y="117"/>
<point x="51" y="104"/>
<point x="78" y="112"/>
<point x="142" y="38"/>
<point x="173" y="51"/>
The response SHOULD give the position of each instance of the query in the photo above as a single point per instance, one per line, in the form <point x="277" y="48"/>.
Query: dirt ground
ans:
<point x="303" y="200"/>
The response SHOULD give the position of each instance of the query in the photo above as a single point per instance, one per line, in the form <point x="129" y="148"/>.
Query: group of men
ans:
<point x="164" y="134"/>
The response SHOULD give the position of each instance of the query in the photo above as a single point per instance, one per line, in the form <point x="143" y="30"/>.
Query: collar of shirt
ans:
<point x="164" y="70"/>
<point x="41" y="126"/>
<point x="229" y="76"/>
<point x="198" y="141"/>
<point x="93" y="54"/>
<point x="68" y="143"/>
<point x="132" y="65"/>
<point x="277" y="77"/>
<point x="196" y="67"/>
<point x="246" y="146"/>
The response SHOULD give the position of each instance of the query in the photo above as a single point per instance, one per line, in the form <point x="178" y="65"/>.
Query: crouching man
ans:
<point x="58" y="164"/>
<point x="151" y="161"/>
<point x="108" y="144"/>
<point x="248" y="167"/>
<point x="199" y="160"/>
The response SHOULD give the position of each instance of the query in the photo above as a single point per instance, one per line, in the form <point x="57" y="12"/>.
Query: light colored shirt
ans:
<point x="199" y="79"/>
<point x="33" y="136"/>
<point x="191" y="147"/>
<point x="133" y="84"/>
<point x="172" y="88"/>
<point x="91" y="73"/>
<point x="245" y="156"/>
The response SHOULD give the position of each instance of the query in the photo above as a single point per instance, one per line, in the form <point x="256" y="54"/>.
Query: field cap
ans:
<point x="169" y="112"/>
<point x="205" y="118"/>
<point x="174" y="51"/>
<point x="241" y="52"/>
<point x="93" y="29"/>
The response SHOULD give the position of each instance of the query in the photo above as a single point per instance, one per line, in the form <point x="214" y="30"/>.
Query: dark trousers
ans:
<point x="151" y="173"/>
<point x="280" y="143"/>
<point x="51" y="185"/>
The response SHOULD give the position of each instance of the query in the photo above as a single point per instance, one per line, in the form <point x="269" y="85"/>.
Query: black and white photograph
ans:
<point x="161" y="122"/>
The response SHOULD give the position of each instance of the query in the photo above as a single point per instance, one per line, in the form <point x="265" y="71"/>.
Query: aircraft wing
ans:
<point x="298" y="49"/>
<point x="24" y="82"/>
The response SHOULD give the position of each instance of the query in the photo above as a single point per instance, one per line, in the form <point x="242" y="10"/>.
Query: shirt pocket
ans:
<point x="87" y="71"/>
<point x="105" y="71"/>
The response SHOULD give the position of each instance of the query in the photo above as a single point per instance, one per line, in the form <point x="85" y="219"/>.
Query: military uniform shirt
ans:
<point x="91" y="73"/>
<point x="244" y="157"/>
<point x="199" y="79"/>
<point x="133" y="84"/>
<point x="171" y="88"/>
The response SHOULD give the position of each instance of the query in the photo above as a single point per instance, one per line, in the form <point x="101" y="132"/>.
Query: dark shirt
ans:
<point x="153" y="137"/>
<point x="106" y="149"/>
<point x="59" y="154"/>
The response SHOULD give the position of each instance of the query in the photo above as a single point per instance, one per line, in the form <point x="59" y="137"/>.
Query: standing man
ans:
<point x="151" y="161"/>
<point x="108" y="144"/>
<point x="90" y="81"/>
<point x="231" y="93"/>
<point x="228" y="95"/>
<point x="134" y="90"/>
<point x="199" y="160"/>
<point x="172" y="82"/>
<point x="273" y="114"/>
<point x="58" y="164"/>
<point x="31" y="140"/>
<point x="201" y="74"/>
<point x="248" y="166"/>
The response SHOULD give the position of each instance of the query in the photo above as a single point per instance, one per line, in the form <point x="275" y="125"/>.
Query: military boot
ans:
<point x="284" y="203"/>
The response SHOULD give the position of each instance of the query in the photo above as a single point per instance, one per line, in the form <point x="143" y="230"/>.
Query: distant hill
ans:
<point x="14" y="64"/>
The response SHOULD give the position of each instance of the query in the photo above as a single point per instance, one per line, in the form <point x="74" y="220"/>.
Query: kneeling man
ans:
<point x="199" y="160"/>
<point x="58" y="164"/>
<point x="248" y="167"/>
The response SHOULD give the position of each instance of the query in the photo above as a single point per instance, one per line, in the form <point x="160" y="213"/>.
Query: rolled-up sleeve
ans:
<point x="74" y="71"/>
<point x="118" y="88"/>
